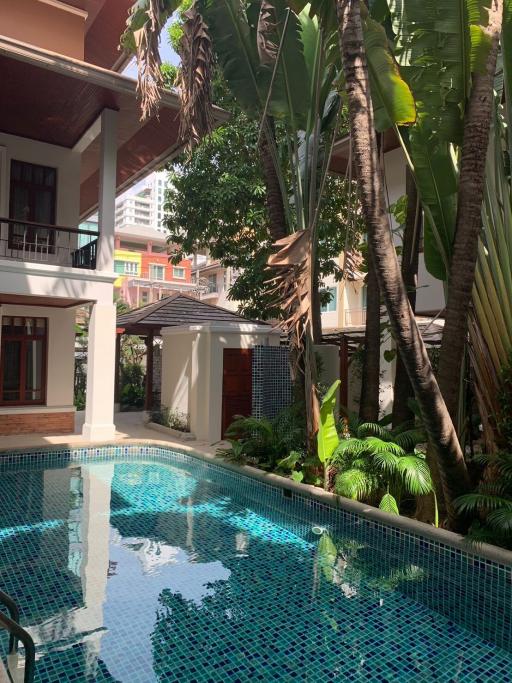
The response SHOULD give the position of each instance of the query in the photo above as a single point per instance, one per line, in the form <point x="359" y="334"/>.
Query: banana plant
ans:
<point x="373" y="464"/>
<point x="145" y="22"/>
<point x="328" y="438"/>
<point x="437" y="58"/>
<point x="281" y="64"/>
<point x="491" y="318"/>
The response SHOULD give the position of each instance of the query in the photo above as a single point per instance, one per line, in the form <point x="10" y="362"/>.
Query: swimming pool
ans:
<point x="142" y="564"/>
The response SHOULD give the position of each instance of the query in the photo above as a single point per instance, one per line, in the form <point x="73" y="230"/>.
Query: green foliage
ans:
<point x="175" y="419"/>
<point x="138" y="17"/>
<point x="270" y="444"/>
<point x="374" y="463"/>
<point x="218" y="194"/>
<point x="393" y="102"/>
<point x="371" y="468"/>
<point x="436" y="59"/>
<point x="492" y="502"/>
<point x="327" y="435"/>
<point x="133" y="390"/>
<point x="504" y="418"/>
<point x="175" y="30"/>
<point x="389" y="504"/>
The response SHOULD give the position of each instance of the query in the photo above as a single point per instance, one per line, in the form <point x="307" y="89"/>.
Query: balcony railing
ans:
<point x="42" y="243"/>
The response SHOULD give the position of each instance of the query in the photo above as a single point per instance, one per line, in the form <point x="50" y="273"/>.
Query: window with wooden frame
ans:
<point x="33" y="195"/>
<point x="23" y="361"/>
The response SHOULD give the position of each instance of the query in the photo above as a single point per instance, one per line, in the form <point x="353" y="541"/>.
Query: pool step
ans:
<point x="17" y="634"/>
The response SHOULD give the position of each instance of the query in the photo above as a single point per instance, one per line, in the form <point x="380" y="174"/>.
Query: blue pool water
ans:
<point x="158" y="567"/>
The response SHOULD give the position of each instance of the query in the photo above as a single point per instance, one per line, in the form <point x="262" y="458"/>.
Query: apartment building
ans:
<point x="145" y="275"/>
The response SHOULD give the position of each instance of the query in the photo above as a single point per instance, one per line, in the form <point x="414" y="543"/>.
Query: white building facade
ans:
<point x="71" y="140"/>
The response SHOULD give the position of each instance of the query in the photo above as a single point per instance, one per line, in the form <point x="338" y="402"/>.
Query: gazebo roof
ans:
<point x="176" y="310"/>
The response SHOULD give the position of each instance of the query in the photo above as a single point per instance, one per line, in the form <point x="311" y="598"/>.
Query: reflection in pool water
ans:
<point x="145" y="571"/>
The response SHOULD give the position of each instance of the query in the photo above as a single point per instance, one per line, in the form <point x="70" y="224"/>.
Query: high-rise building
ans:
<point x="156" y="184"/>
<point x="146" y="207"/>
<point x="133" y="210"/>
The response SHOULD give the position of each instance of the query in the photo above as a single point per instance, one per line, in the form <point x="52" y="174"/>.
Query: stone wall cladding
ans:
<point x="37" y="423"/>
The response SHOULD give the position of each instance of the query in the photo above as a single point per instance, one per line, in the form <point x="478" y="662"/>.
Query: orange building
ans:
<point x="141" y="260"/>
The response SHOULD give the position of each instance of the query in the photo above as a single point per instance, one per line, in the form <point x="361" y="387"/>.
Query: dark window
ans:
<point x="32" y="199"/>
<point x="23" y="360"/>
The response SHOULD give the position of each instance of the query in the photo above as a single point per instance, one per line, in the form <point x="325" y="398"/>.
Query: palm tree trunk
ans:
<point x="469" y="218"/>
<point x="403" y="390"/>
<point x="274" y="197"/>
<point x="370" y="378"/>
<point x="403" y="323"/>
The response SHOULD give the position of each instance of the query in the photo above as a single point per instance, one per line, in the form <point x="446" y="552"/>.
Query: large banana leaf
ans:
<point x="235" y="46"/>
<point x="438" y="44"/>
<point x="328" y="438"/>
<point x="434" y="51"/>
<point x="491" y="336"/>
<point x="436" y="179"/>
<point x="392" y="99"/>
<point x="288" y="98"/>
<point x="393" y="102"/>
<point x="138" y="17"/>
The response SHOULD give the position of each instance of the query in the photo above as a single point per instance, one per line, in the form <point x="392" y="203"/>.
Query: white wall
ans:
<point x="331" y="319"/>
<point x="63" y="159"/>
<point x="430" y="295"/>
<point x="192" y="369"/>
<point x="60" y="354"/>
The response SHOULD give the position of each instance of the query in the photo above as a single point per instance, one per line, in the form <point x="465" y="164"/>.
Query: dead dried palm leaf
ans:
<point x="149" y="74"/>
<point x="266" y="33"/>
<point x="195" y="78"/>
<point x="290" y="280"/>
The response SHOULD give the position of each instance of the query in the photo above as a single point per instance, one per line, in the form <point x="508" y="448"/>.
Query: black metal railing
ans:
<point x="17" y="634"/>
<point x="42" y="243"/>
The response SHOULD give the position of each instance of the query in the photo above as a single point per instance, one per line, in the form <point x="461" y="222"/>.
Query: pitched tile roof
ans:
<point x="175" y="310"/>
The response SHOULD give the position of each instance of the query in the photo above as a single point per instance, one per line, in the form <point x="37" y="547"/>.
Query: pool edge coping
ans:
<point x="449" y="538"/>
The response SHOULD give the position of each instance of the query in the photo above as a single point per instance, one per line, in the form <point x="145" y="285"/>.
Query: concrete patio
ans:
<point x="129" y="427"/>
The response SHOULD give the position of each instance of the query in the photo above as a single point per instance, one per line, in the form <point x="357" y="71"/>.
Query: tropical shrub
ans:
<point x="133" y="390"/>
<point x="492" y="502"/>
<point x="175" y="419"/>
<point x="370" y="462"/>
<point x="377" y="469"/>
<point x="265" y="442"/>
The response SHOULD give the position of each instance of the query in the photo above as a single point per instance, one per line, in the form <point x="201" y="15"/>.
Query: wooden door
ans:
<point x="236" y="385"/>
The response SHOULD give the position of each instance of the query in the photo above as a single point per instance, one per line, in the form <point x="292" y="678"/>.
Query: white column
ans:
<point x="101" y="358"/>
<point x="107" y="190"/>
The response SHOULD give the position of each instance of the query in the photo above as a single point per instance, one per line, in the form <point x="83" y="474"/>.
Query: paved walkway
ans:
<point x="130" y="426"/>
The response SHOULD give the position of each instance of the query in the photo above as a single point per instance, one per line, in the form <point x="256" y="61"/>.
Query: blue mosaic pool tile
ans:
<point x="146" y="564"/>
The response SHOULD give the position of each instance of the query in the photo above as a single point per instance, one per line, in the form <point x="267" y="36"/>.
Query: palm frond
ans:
<point x="501" y="519"/>
<point x="389" y="504"/>
<point x="356" y="484"/>
<point x="195" y="78"/>
<point x="476" y="502"/>
<point x="347" y="448"/>
<point x="246" y="426"/>
<point x="415" y="474"/>
<point x="410" y="438"/>
<point x="373" y="429"/>
<point x="479" y="534"/>
<point x="386" y="461"/>
<point x="376" y="445"/>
